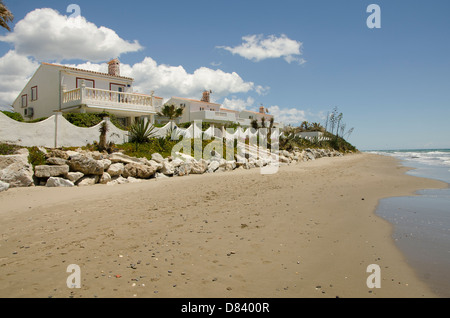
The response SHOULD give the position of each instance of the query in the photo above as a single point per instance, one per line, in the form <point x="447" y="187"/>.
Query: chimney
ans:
<point x="262" y="110"/>
<point x="206" y="95"/>
<point x="114" y="67"/>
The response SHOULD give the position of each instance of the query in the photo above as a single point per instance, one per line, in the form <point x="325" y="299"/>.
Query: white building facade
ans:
<point x="67" y="89"/>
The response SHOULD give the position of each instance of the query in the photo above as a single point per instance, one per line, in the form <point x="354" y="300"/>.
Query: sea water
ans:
<point x="422" y="222"/>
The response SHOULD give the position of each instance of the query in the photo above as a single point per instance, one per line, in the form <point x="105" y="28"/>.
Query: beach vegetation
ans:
<point x="13" y="115"/>
<point x="8" y="149"/>
<point x="6" y="16"/>
<point x="92" y="119"/>
<point x="171" y="112"/>
<point x="36" y="157"/>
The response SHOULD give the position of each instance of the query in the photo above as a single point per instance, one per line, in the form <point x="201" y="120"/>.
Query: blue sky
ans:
<point x="392" y="84"/>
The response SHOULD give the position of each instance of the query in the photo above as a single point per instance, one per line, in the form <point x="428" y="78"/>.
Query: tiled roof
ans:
<point x="194" y="100"/>
<point x="92" y="72"/>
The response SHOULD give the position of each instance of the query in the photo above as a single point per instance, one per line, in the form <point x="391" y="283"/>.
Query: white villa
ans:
<point x="207" y="111"/>
<point x="67" y="89"/>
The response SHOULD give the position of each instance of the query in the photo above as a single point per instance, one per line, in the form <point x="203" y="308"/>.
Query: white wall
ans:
<point x="56" y="132"/>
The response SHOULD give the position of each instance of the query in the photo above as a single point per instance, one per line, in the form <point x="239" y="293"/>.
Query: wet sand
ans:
<point x="309" y="230"/>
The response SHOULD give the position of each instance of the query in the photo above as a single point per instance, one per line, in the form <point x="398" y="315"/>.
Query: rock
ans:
<point x="140" y="171"/>
<point x="284" y="159"/>
<point x="3" y="186"/>
<point x="105" y="178"/>
<point x="86" y="165"/>
<point x="133" y="180"/>
<point x="71" y="153"/>
<point x="96" y="155"/>
<point x="46" y="171"/>
<point x="58" y="154"/>
<point x="57" y="161"/>
<point x="106" y="164"/>
<point x="116" y="169"/>
<point x="16" y="171"/>
<point x="160" y="175"/>
<point x="167" y="168"/>
<point x="213" y="166"/>
<point x="118" y="180"/>
<point x="157" y="165"/>
<point x="120" y="157"/>
<point x="88" y="180"/>
<point x="199" y="167"/>
<point x="184" y="169"/>
<point x="59" y="182"/>
<point x="157" y="157"/>
<point x="74" y="176"/>
<point x="176" y="162"/>
<point x="239" y="159"/>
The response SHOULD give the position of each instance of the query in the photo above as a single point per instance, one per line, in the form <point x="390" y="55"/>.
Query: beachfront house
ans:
<point x="206" y="111"/>
<point x="258" y="116"/>
<point x="67" y="89"/>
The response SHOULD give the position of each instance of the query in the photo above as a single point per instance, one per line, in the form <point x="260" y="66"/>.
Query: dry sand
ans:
<point x="308" y="231"/>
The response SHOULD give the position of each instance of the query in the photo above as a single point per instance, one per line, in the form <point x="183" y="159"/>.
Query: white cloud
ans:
<point x="15" y="72"/>
<point x="292" y="116"/>
<point x="238" y="104"/>
<point x="47" y="35"/>
<point x="257" y="48"/>
<point x="169" y="81"/>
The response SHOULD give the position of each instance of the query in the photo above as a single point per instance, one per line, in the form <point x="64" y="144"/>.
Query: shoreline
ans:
<point x="308" y="231"/>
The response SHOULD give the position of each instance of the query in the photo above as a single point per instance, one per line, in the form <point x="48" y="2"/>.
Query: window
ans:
<point x="88" y="82"/>
<point x="25" y="100"/>
<point x="34" y="93"/>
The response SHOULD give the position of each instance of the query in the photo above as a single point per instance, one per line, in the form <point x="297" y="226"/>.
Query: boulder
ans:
<point x="160" y="175"/>
<point x="74" y="176"/>
<point x="105" y="178"/>
<point x="157" y="165"/>
<point x="3" y="186"/>
<point x="213" y="166"/>
<point x="140" y="171"/>
<point x="46" y="171"/>
<point x="133" y="180"/>
<point x="167" y="168"/>
<point x="157" y="157"/>
<point x="86" y="165"/>
<point x="199" y="167"/>
<point x="106" y="163"/>
<point x="88" y="180"/>
<point x="176" y="162"/>
<point x="16" y="170"/>
<point x="57" y="153"/>
<point x="116" y="169"/>
<point x="184" y="169"/>
<point x="122" y="158"/>
<point x="118" y="180"/>
<point x="57" y="161"/>
<point x="59" y="182"/>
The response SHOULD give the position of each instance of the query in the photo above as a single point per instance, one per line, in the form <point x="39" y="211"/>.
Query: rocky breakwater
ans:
<point x="84" y="168"/>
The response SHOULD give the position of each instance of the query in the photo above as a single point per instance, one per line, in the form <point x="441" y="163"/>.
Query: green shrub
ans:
<point x="36" y="157"/>
<point x="7" y="149"/>
<point x="13" y="115"/>
<point x="92" y="119"/>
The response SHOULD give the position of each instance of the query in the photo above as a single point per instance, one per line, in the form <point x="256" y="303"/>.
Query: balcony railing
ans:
<point x="99" y="98"/>
<point x="208" y="115"/>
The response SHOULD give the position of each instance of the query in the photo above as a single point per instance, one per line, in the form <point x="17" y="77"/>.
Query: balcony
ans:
<point x="218" y="117"/>
<point x="108" y="100"/>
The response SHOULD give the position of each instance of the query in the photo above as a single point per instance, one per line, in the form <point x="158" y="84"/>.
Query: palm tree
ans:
<point x="171" y="112"/>
<point x="103" y="130"/>
<point x="5" y="16"/>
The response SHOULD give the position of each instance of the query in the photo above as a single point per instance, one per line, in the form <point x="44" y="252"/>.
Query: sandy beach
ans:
<point x="307" y="231"/>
